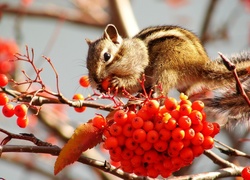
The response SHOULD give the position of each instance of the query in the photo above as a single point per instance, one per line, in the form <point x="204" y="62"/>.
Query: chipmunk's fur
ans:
<point x="168" y="55"/>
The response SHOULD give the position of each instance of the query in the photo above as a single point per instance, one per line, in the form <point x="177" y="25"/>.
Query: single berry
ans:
<point x="139" y="135"/>
<point x="8" y="110"/>
<point x="111" y="143"/>
<point x="99" y="121"/>
<point x="3" y="80"/>
<point x="3" y="99"/>
<point x="22" y="122"/>
<point x="120" y="117"/>
<point x="84" y="81"/>
<point x="170" y="103"/>
<point x="21" y="110"/>
<point x="198" y="105"/>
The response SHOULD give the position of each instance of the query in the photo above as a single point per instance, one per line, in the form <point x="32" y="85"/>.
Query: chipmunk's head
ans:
<point x="101" y="55"/>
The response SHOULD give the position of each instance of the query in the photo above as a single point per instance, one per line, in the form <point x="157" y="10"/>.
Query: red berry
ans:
<point x="198" y="105"/>
<point x="84" y="81"/>
<point x="245" y="173"/>
<point x="3" y="80"/>
<point x="22" y="122"/>
<point x="152" y="106"/>
<point x="79" y="97"/>
<point x="99" y="121"/>
<point x="8" y="110"/>
<point x="152" y="136"/>
<point x="170" y="103"/>
<point x="184" y="122"/>
<point x="21" y="110"/>
<point x="111" y="143"/>
<point x="178" y="134"/>
<point x="3" y="99"/>
<point x="115" y="130"/>
<point x="120" y="117"/>
<point x="139" y="135"/>
<point x="197" y="139"/>
<point x="137" y="122"/>
<point x="185" y="109"/>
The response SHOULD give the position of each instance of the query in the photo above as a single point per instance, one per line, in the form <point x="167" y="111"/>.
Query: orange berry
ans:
<point x="159" y="124"/>
<point x="127" y="130"/>
<point x="120" y="117"/>
<point x="189" y="133"/>
<point x="3" y="80"/>
<point x="185" y="109"/>
<point x="197" y="127"/>
<point x="208" y="128"/>
<point x="196" y="116"/>
<point x="198" y="105"/>
<point x="139" y="151"/>
<point x="186" y="101"/>
<point x="216" y="129"/>
<point x="176" y="145"/>
<point x="99" y="121"/>
<point x="152" y="136"/>
<point x="110" y="143"/>
<point x="197" y="139"/>
<point x="208" y="142"/>
<point x="171" y="124"/>
<point x="150" y="156"/>
<point x="115" y="129"/>
<point x="136" y="161"/>
<point x="178" y="134"/>
<point x="127" y="154"/>
<point x="121" y="140"/>
<point x="78" y="97"/>
<point x="170" y="103"/>
<point x="152" y="172"/>
<point x="144" y="114"/>
<point x="197" y="150"/>
<point x="186" y="154"/>
<point x="8" y="110"/>
<point x="21" y="110"/>
<point x="139" y="135"/>
<point x="22" y="122"/>
<point x="115" y="152"/>
<point x="131" y="144"/>
<point x="3" y="99"/>
<point x="175" y="114"/>
<point x="184" y="122"/>
<point x="84" y="81"/>
<point x="137" y="122"/>
<point x="146" y="145"/>
<point x="160" y="146"/>
<point x="148" y="125"/>
<point x="105" y="84"/>
<point x="131" y="115"/>
<point x="152" y="106"/>
<point x="164" y="134"/>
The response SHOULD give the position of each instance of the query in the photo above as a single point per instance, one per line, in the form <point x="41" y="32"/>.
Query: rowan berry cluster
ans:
<point x="8" y="109"/>
<point x="158" y="140"/>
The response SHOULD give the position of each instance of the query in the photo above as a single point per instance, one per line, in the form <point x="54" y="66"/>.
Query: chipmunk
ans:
<point x="168" y="55"/>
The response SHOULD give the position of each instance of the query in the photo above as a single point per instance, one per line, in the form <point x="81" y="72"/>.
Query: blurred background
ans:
<point x="58" y="28"/>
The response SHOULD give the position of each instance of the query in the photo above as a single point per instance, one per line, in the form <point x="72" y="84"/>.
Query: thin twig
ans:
<point x="231" y="67"/>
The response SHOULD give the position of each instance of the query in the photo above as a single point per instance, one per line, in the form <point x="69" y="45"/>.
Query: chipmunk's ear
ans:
<point x="111" y="33"/>
<point x="88" y="41"/>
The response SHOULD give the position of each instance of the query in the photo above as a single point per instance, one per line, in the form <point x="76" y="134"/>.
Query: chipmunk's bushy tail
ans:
<point x="226" y="105"/>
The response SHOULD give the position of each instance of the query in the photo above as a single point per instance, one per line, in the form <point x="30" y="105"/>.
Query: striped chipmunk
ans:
<point x="173" y="57"/>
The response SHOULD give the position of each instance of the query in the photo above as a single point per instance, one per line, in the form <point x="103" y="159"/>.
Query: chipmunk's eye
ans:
<point x="106" y="56"/>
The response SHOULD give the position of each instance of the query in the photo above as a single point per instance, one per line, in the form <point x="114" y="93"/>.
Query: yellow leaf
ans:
<point x="85" y="137"/>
